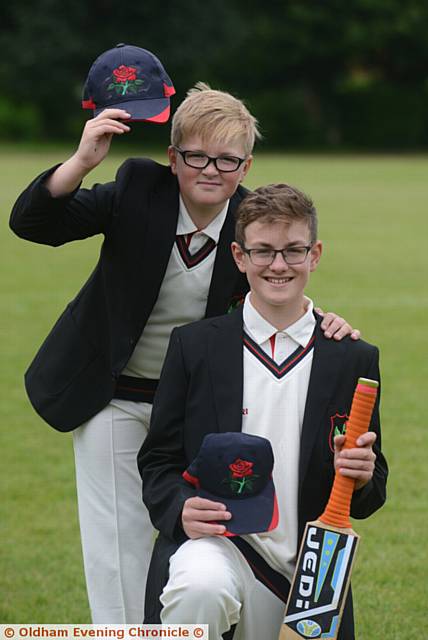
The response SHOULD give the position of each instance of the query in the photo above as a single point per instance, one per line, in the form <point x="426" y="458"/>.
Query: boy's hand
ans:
<point x="336" y="327"/>
<point x="200" y="515"/>
<point x="97" y="135"/>
<point x="93" y="148"/>
<point x="358" y="463"/>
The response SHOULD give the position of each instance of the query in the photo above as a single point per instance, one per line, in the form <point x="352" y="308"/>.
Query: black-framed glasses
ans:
<point x="292" y="255"/>
<point x="199" y="160"/>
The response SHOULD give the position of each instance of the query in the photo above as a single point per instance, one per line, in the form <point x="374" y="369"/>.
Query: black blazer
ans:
<point x="73" y="376"/>
<point x="200" y="392"/>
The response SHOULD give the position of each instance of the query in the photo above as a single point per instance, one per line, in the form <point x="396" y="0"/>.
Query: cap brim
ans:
<point x="255" y="514"/>
<point x="151" y="110"/>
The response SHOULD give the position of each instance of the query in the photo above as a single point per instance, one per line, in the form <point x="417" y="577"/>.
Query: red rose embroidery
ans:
<point x="241" y="468"/>
<point x="125" y="80"/>
<point x="241" y="476"/>
<point x="123" y="73"/>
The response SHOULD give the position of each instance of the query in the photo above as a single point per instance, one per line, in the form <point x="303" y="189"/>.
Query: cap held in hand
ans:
<point x="130" y="78"/>
<point x="236" y="470"/>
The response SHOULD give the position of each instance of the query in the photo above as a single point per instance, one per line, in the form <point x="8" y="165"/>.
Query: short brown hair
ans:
<point x="273" y="203"/>
<point x="214" y="115"/>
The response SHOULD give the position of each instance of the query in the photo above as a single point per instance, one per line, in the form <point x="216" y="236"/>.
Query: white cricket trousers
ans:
<point x="117" y="535"/>
<point x="210" y="582"/>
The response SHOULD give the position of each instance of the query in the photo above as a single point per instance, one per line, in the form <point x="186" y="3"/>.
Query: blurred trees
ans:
<point x="316" y="73"/>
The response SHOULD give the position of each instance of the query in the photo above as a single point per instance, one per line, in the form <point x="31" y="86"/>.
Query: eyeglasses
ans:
<point x="198" y="160"/>
<point x="291" y="255"/>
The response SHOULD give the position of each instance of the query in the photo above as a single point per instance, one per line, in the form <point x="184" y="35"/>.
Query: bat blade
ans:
<point x="321" y="581"/>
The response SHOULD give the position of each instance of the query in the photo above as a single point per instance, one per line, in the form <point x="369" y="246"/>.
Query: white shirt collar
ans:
<point x="261" y="330"/>
<point x="186" y="225"/>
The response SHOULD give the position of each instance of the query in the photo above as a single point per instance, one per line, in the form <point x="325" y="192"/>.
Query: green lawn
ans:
<point x="373" y="220"/>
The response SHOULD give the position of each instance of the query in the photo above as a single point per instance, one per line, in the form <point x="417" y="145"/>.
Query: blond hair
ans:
<point x="214" y="115"/>
<point x="275" y="203"/>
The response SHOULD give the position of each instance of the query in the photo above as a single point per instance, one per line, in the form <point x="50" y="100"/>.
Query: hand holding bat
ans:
<point x="357" y="463"/>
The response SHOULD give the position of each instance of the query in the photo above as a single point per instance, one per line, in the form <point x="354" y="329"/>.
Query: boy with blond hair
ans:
<point x="165" y="261"/>
<point x="264" y="370"/>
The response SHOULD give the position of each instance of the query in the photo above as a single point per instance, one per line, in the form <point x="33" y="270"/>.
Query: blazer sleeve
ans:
<point x="162" y="459"/>
<point x="373" y="495"/>
<point x="38" y="217"/>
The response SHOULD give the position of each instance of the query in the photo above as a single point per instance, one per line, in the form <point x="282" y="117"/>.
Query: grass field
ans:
<point x="373" y="220"/>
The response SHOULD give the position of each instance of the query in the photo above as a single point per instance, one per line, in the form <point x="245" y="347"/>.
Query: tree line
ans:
<point x="316" y="73"/>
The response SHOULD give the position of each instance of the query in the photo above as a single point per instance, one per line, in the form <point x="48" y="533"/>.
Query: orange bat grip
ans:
<point x="338" y="507"/>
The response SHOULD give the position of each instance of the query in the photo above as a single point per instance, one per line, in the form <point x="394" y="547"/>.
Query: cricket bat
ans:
<point x="323" y="570"/>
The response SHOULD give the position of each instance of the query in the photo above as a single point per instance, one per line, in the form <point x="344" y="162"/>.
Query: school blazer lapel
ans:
<point x="158" y="241"/>
<point x="326" y="366"/>
<point x="225" y="360"/>
<point x="225" y="272"/>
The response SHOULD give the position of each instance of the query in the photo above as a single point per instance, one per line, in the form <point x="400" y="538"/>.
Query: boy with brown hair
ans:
<point x="165" y="261"/>
<point x="264" y="370"/>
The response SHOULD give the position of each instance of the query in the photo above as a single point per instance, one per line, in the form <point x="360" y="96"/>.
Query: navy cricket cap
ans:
<point x="236" y="470"/>
<point x="129" y="78"/>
